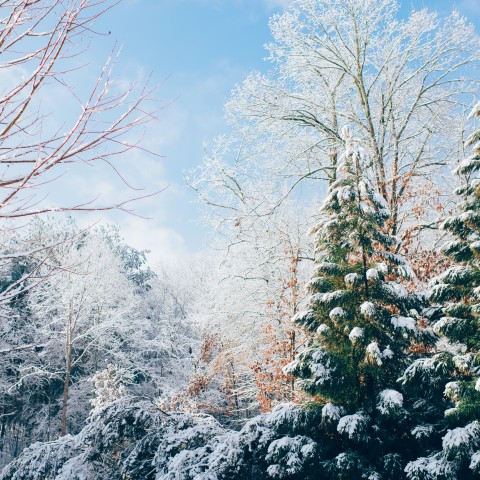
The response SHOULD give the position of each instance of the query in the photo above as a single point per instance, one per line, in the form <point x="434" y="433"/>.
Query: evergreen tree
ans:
<point x="365" y="327"/>
<point x="458" y="291"/>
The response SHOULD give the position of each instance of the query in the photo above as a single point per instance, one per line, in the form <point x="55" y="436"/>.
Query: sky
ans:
<point x="196" y="51"/>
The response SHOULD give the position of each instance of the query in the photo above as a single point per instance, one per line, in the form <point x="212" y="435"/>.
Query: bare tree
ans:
<point x="41" y="43"/>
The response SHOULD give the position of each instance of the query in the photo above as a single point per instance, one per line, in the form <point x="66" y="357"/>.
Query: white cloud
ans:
<point x="165" y="244"/>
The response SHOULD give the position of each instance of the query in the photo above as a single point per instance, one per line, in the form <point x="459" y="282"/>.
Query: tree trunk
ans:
<point x="65" y="391"/>
<point x="234" y="388"/>
<point x="292" y="356"/>
<point x="68" y="369"/>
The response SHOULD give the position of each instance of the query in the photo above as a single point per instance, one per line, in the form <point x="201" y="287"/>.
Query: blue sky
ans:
<point x="198" y="50"/>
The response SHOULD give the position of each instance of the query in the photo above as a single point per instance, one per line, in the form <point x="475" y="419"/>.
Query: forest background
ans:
<point x="351" y="134"/>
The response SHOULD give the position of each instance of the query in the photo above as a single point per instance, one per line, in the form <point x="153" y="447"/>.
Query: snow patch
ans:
<point x="353" y="426"/>
<point x="422" y="431"/>
<point x="352" y="279"/>
<point x="367" y="309"/>
<point x="451" y="391"/>
<point x="477" y="385"/>
<point x="356" y="334"/>
<point x="372" y="275"/>
<point x="406" y="323"/>
<point x="323" y="329"/>
<point x="373" y="354"/>
<point x="387" y="353"/>
<point x="338" y="313"/>
<point x="331" y="413"/>
<point x="462" y="439"/>
<point x="389" y="400"/>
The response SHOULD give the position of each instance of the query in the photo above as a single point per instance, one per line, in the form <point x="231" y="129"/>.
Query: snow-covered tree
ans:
<point x="356" y="307"/>
<point x="457" y="290"/>
<point x="136" y="439"/>
<point x="153" y="341"/>
<point x="364" y="327"/>
<point x="246" y="304"/>
<point x="109" y="385"/>
<point x="397" y="82"/>
<point x="85" y="307"/>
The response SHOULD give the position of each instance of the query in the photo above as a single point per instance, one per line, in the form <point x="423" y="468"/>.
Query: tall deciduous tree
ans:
<point x="39" y="44"/>
<point x="282" y="339"/>
<point x="397" y="82"/>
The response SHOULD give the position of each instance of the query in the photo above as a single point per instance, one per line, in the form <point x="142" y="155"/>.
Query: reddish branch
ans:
<point x="41" y="38"/>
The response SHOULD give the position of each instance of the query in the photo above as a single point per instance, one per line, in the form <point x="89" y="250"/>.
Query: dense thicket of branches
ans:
<point x="99" y="307"/>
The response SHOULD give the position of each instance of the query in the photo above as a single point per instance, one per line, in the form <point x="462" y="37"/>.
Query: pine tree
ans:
<point x="364" y="327"/>
<point x="459" y="286"/>
<point x="457" y="290"/>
